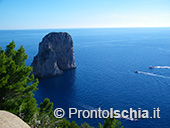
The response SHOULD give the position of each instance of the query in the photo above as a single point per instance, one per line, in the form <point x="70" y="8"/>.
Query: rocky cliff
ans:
<point x="55" y="55"/>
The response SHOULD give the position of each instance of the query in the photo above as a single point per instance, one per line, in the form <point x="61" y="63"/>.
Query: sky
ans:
<point x="51" y="14"/>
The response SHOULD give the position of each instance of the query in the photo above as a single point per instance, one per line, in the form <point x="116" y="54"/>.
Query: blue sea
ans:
<point x="106" y="59"/>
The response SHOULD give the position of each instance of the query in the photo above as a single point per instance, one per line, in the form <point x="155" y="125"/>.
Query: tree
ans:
<point x="16" y="83"/>
<point x="45" y="118"/>
<point x="85" y="125"/>
<point x="100" y="125"/>
<point x="111" y="123"/>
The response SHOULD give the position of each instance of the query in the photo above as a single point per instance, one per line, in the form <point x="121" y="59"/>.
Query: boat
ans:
<point x="151" y="67"/>
<point x="136" y="71"/>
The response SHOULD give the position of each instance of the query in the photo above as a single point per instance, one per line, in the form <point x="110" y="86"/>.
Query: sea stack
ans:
<point x="55" y="55"/>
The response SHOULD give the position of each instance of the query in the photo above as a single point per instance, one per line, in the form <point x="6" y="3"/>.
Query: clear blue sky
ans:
<point x="42" y="14"/>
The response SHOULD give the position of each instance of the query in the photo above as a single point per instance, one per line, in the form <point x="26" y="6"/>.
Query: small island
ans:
<point x="55" y="55"/>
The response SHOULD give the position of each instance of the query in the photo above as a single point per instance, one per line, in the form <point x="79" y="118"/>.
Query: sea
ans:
<point x="106" y="60"/>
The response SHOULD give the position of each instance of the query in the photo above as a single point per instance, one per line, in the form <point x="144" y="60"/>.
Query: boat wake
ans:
<point x="167" y="67"/>
<point x="152" y="74"/>
<point x="86" y="106"/>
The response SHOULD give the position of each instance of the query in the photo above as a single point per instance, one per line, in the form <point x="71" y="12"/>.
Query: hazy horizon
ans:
<point x="79" y="28"/>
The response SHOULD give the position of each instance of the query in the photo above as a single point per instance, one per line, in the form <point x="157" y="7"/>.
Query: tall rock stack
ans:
<point x="55" y="55"/>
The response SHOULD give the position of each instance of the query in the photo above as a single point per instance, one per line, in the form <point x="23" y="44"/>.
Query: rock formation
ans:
<point x="9" y="120"/>
<point x="55" y="55"/>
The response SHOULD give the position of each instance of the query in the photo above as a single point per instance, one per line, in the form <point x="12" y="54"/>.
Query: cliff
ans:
<point x="55" y="55"/>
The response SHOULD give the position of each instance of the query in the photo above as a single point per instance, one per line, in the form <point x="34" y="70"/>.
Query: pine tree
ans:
<point x="111" y="123"/>
<point x="85" y="125"/>
<point x="45" y="117"/>
<point x="16" y="84"/>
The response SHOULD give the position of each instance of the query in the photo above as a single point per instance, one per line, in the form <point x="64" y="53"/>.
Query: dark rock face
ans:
<point x="55" y="55"/>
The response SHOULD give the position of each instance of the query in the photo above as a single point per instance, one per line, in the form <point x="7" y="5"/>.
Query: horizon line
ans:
<point x="82" y="28"/>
